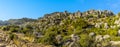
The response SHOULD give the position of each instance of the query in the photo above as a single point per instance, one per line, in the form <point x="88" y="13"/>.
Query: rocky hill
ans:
<point x="92" y="28"/>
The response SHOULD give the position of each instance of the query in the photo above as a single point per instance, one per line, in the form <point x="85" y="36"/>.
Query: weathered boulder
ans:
<point x="73" y="42"/>
<point x="38" y="34"/>
<point x="75" y="37"/>
<point x="78" y="14"/>
<point x="106" y="25"/>
<point x="59" y="39"/>
<point x="2" y="45"/>
<point x="115" y="43"/>
<point x="92" y="34"/>
<point x="118" y="32"/>
<point x="106" y="37"/>
<point x="99" y="38"/>
<point x="117" y="22"/>
<point x="98" y="25"/>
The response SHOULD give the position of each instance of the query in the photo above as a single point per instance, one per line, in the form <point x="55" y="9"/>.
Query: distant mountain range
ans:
<point x="16" y="21"/>
<point x="3" y="22"/>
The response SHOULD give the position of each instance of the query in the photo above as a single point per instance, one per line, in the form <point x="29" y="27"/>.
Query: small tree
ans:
<point x="119" y="14"/>
<point x="5" y="28"/>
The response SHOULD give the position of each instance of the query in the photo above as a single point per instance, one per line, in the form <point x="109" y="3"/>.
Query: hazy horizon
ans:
<point x="15" y="9"/>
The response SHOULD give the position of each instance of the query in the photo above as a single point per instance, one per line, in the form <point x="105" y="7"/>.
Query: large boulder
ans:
<point x="75" y="37"/>
<point x="115" y="43"/>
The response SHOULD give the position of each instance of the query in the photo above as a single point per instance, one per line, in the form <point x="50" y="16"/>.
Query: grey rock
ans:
<point x="92" y="34"/>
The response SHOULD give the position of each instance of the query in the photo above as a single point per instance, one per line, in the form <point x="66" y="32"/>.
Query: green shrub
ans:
<point x="115" y="38"/>
<point x="84" y="41"/>
<point x="49" y="38"/>
<point x="5" y="28"/>
<point x="0" y="27"/>
<point x="14" y="29"/>
<point x="66" y="38"/>
<point x="12" y="36"/>
<point x="26" y="30"/>
<point x="112" y="32"/>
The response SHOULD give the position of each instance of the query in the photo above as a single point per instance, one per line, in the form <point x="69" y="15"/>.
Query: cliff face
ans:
<point x="92" y="28"/>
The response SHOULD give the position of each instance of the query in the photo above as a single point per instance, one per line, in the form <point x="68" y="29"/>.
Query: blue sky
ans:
<point x="14" y="9"/>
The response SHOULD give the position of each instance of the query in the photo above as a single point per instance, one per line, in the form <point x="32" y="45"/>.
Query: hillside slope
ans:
<point x="93" y="28"/>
